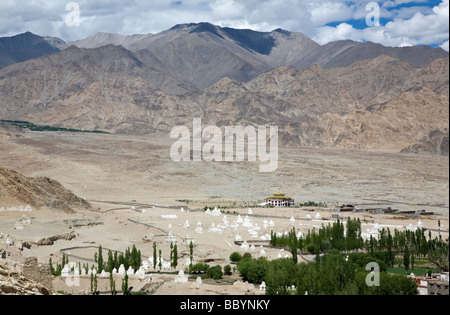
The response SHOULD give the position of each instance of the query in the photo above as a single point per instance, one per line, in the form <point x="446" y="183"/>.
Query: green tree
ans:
<point x="253" y="270"/>
<point x="280" y="276"/>
<point x="227" y="270"/>
<point x="175" y="256"/>
<point x="112" y="284"/>
<point x="52" y="270"/>
<point x="155" y="258"/>
<point x="110" y="263"/>
<point x="191" y="252"/>
<point x="439" y="254"/>
<point x="125" y="288"/>
<point x="406" y="258"/>
<point x="293" y="244"/>
<point x="235" y="257"/>
<point x="96" y="292"/>
<point x="171" y="255"/>
<point x="391" y="255"/>
<point x="100" y="262"/>
<point x="215" y="273"/>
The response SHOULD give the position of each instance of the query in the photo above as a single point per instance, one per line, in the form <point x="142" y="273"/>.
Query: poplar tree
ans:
<point x="92" y="283"/>
<point x="112" y="284"/>
<point x="293" y="242"/>
<point x="125" y="285"/>
<point x="175" y="256"/>
<point x="155" y="258"/>
<point x="406" y="258"/>
<point x="96" y="292"/>
<point x="110" y="263"/>
<point x="171" y="255"/>
<point x="191" y="253"/>
<point x="52" y="270"/>
<point x="100" y="262"/>
<point x="391" y="256"/>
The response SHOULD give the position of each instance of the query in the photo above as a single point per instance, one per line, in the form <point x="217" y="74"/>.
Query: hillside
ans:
<point x="27" y="46"/>
<point x="17" y="190"/>
<point x="315" y="106"/>
<point x="192" y="57"/>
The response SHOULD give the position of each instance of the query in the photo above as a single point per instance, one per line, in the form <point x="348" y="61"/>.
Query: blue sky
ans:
<point x="402" y="22"/>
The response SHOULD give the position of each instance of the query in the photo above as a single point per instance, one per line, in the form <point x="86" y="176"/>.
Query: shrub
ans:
<point x="215" y="273"/>
<point x="235" y="257"/>
<point x="227" y="270"/>
<point x="199" y="268"/>
<point x="253" y="270"/>
<point x="311" y="248"/>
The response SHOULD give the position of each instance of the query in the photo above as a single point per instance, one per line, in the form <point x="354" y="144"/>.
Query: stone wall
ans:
<point x="38" y="273"/>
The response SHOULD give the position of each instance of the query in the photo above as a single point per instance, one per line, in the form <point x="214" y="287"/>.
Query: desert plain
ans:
<point x="137" y="194"/>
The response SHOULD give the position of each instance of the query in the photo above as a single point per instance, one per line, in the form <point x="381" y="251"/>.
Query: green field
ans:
<point x="33" y="127"/>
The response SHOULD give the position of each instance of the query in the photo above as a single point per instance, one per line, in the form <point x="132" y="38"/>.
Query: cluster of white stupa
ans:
<point x="6" y="240"/>
<point x="374" y="231"/>
<point x="22" y="222"/>
<point x="28" y="208"/>
<point x="215" y="213"/>
<point x="415" y="227"/>
<point x="73" y="270"/>
<point x="317" y="216"/>
<point x="253" y="229"/>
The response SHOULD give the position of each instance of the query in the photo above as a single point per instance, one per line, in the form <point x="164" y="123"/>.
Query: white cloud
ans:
<point x="418" y="24"/>
<point x="420" y="29"/>
<point x="444" y="46"/>
<point x="326" y="12"/>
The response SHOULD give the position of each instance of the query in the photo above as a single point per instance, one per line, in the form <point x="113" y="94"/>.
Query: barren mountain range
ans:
<point x="344" y="95"/>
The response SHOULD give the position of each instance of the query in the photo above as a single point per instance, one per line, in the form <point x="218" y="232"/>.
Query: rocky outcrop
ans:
<point x="16" y="189"/>
<point x="27" y="279"/>
<point x="436" y="142"/>
<point x="52" y="239"/>
<point x="38" y="273"/>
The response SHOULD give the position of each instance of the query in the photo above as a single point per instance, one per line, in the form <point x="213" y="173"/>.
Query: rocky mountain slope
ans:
<point x="345" y="52"/>
<point x="16" y="190"/>
<point x="27" y="46"/>
<point x="436" y="142"/>
<point x="202" y="54"/>
<point x="192" y="57"/>
<point x="343" y="95"/>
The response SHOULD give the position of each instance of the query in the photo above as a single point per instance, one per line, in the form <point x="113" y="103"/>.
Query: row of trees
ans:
<point x="207" y="271"/>
<point x="411" y="245"/>
<point x="330" y="275"/>
<point x="407" y="244"/>
<point x="327" y="237"/>
<point x="56" y="271"/>
<point x="131" y="258"/>
<point x="342" y="256"/>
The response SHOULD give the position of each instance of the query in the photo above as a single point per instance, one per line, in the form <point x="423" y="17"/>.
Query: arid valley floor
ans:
<point x="122" y="175"/>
